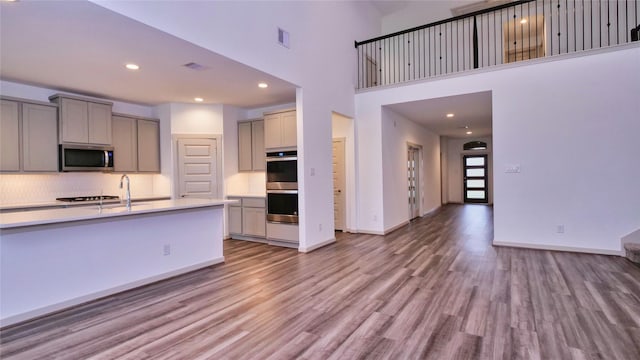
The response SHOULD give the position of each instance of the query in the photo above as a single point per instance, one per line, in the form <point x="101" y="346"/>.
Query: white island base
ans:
<point x="49" y="267"/>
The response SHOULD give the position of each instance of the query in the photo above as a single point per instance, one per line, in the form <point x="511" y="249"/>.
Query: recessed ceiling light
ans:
<point x="263" y="85"/>
<point x="132" y="66"/>
<point x="469" y="132"/>
<point x="450" y="115"/>
<point x="523" y="21"/>
<point x="198" y="99"/>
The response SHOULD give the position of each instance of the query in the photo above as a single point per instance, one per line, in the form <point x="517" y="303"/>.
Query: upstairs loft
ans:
<point x="512" y="32"/>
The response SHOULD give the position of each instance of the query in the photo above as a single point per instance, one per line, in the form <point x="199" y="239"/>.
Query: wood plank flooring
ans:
<point x="435" y="289"/>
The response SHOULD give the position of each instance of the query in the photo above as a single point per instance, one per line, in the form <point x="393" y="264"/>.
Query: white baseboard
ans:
<point x="396" y="227"/>
<point x="370" y="232"/>
<point x="559" y="248"/>
<point x="317" y="246"/>
<point x="14" y="319"/>
<point x="432" y="210"/>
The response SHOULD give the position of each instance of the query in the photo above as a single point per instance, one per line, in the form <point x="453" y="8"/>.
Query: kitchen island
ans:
<point x="57" y="258"/>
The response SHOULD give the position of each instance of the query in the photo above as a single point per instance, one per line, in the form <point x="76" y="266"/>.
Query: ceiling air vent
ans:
<point x="283" y="38"/>
<point x="195" y="66"/>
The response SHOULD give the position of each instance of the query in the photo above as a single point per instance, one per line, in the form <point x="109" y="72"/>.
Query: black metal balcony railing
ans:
<point x="516" y="31"/>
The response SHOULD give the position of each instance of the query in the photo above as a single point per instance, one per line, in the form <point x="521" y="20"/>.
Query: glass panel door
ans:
<point x="413" y="181"/>
<point x="475" y="179"/>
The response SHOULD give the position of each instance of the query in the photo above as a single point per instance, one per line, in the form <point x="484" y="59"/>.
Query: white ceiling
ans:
<point x="80" y="47"/>
<point x="470" y="110"/>
<point x="386" y="7"/>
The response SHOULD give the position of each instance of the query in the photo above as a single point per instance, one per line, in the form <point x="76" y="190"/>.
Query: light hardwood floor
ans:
<point x="435" y="289"/>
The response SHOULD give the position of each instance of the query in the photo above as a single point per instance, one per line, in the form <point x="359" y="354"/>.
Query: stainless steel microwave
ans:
<point x="86" y="158"/>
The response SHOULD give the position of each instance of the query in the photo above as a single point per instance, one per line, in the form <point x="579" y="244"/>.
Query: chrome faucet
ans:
<point x="128" y="195"/>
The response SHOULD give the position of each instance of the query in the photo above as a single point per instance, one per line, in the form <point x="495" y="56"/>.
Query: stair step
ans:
<point x="632" y="251"/>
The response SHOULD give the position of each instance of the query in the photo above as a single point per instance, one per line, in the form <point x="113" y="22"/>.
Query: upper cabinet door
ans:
<point x="9" y="136"/>
<point x="99" y="120"/>
<point x="272" y="131"/>
<point x="125" y="144"/>
<point x="39" y="137"/>
<point x="148" y="146"/>
<point x="74" y="126"/>
<point x="257" y="145"/>
<point x="244" y="147"/>
<point x="289" y="129"/>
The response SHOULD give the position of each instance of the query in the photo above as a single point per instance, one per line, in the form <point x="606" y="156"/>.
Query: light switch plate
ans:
<point x="512" y="169"/>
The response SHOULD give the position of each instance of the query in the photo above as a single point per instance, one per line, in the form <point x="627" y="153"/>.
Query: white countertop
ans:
<point x="52" y="216"/>
<point x="261" y="196"/>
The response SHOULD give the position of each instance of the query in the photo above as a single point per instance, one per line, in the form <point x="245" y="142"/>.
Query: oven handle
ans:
<point x="285" y="158"/>
<point x="282" y="191"/>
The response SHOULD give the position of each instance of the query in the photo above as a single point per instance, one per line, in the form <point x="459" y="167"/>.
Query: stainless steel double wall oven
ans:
<point x="282" y="187"/>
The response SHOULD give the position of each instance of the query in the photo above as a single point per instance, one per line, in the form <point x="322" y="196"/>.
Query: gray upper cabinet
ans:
<point x="39" y="140"/>
<point x="244" y="147"/>
<point x="258" y="158"/>
<point x="136" y="144"/>
<point x="148" y="146"/>
<point x="125" y="143"/>
<point x="83" y="121"/>
<point x="9" y="135"/>
<point x="29" y="136"/>
<point x="280" y="130"/>
<point x="251" y="156"/>
<point x="99" y="119"/>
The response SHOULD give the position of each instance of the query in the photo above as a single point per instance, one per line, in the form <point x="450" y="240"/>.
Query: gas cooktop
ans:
<point x="88" y="198"/>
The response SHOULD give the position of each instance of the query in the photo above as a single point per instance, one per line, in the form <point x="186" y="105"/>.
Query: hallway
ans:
<point x="434" y="289"/>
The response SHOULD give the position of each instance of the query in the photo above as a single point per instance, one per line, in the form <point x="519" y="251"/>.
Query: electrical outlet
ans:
<point x="319" y="227"/>
<point x="166" y="249"/>
<point x="375" y="217"/>
<point x="560" y="229"/>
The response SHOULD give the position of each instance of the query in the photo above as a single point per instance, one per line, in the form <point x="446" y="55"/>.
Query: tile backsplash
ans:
<point x="38" y="188"/>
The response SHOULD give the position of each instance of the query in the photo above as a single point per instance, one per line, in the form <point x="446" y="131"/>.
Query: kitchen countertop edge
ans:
<point x="82" y="213"/>
<point x="257" y="196"/>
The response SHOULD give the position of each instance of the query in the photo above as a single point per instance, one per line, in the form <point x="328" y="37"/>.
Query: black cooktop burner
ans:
<point x="88" y="198"/>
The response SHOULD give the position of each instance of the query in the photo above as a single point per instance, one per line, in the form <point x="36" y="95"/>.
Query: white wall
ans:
<point x="342" y="128"/>
<point x="320" y="60"/>
<point x="416" y="13"/>
<point x="569" y="123"/>
<point x="454" y="168"/>
<point x="397" y="132"/>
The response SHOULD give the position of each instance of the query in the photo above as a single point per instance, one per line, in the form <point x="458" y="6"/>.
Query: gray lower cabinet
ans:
<point x="247" y="218"/>
<point x="83" y="121"/>
<point x="28" y="136"/>
<point x="283" y="234"/>
<point x="136" y="144"/>
<point x="251" y="155"/>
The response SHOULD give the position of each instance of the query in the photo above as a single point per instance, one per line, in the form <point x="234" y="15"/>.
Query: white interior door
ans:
<point x="338" y="184"/>
<point x="198" y="168"/>
<point x="413" y="179"/>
